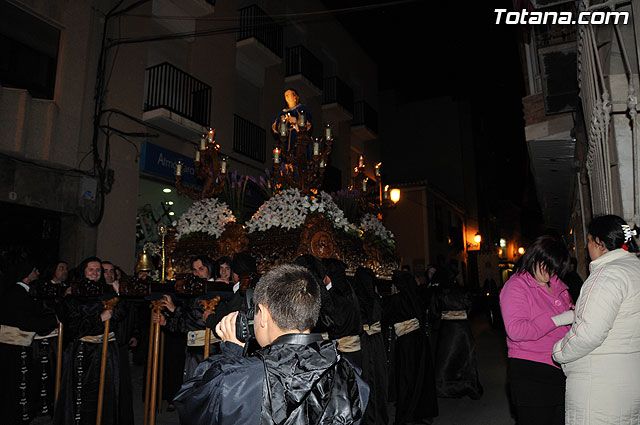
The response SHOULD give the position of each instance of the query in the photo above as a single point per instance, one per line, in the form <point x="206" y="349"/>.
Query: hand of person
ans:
<point x="159" y="318"/>
<point x="106" y="315"/>
<point x="167" y="303"/>
<point x="226" y="329"/>
<point x="565" y="318"/>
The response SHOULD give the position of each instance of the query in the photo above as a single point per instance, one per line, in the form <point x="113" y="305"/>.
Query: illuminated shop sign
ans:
<point x="161" y="162"/>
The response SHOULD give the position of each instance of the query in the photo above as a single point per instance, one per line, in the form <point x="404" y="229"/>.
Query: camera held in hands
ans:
<point x="244" y="325"/>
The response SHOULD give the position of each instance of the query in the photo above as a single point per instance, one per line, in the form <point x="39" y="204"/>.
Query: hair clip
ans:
<point x="628" y="233"/>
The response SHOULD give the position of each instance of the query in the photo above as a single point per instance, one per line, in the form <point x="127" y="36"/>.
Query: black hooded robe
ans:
<point x="413" y="366"/>
<point x="374" y="356"/>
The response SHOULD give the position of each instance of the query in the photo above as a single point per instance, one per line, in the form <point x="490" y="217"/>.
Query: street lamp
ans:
<point x="394" y="195"/>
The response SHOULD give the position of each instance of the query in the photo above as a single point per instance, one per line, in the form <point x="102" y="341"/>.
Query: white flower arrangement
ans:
<point x="207" y="216"/>
<point x="289" y="209"/>
<point x="371" y="223"/>
<point x="151" y="249"/>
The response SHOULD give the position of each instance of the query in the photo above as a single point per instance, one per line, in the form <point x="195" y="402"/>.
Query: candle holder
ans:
<point x="374" y="198"/>
<point x="210" y="168"/>
<point x="303" y="166"/>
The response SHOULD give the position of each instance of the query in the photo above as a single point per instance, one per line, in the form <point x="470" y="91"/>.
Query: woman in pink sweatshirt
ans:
<point x="537" y="311"/>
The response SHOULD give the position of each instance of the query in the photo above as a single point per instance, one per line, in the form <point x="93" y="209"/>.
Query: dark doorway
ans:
<point x="27" y="232"/>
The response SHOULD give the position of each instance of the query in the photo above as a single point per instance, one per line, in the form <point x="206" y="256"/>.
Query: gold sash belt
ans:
<point x="349" y="344"/>
<point x="454" y="315"/>
<point x="372" y="329"/>
<point x="97" y="339"/>
<point x="196" y="338"/>
<point x="403" y="328"/>
<point x="15" y="336"/>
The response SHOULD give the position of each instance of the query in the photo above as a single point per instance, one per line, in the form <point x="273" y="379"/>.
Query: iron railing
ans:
<point x="302" y="61"/>
<point x="335" y="90"/>
<point x="249" y="139"/>
<point x="254" y="22"/>
<point x="364" y="114"/>
<point x="173" y="89"/>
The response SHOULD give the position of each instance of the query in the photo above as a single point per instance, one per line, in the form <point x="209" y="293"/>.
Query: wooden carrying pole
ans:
<point x="58" y="365"/>
<point x="160" y="371"/>
<point x="108" y="305"/>
<point x="147" y="386"/>
<point x="207" y="342"/>
<point x="151" y="385"/>
<point x="209" y="307"/>
<point x="157" y="306"/>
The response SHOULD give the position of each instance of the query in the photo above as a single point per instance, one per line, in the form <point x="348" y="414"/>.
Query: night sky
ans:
<point x="435" y="48"/>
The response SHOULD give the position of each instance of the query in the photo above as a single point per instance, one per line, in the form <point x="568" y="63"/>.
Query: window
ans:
<point x="28" y="52"/>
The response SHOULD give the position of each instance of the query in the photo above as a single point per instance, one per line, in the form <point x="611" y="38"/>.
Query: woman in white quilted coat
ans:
<point x="600" y="355"/>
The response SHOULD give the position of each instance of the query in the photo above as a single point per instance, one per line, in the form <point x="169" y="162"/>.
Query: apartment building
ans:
<point x="99" y="99"/>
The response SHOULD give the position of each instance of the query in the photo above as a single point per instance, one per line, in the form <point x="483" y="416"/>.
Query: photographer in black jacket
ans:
<point x="306" y="380"/>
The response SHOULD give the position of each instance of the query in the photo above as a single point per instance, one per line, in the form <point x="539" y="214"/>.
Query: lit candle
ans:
<point x="361" y="161"/>
<point x="301" y="119"/>
<point x="223" y="165"/>
<point x="327" y="132"/>
<point x="386" y="192"/>
<point x="283" y="126"/>
<point x="197" y="156"/>
<point x="377" y="169"/>
<point x="179" y="168"/>
<point x="364" y="184"/>
<point x="203" y="142"/>
<point x="211" y="136"/>
<point x="276" y="155"/>
<point x="316" y="148"/>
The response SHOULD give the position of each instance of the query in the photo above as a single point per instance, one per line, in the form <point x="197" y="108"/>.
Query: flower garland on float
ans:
<point x="286" y="210"/>
<point x="208" y="216"/>
<point x="289" y="209"/>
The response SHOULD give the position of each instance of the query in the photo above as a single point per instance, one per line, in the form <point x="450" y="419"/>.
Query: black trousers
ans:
<point x="537" y="392"/>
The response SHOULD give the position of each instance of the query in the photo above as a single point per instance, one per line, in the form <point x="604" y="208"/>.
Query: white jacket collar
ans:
<point x="610" y="256"/>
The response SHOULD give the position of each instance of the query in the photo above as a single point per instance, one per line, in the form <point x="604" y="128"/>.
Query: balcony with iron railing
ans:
<point x="259" y="43"/>
<point x="303" y="72"/>
<point x="337" y="100"/>
<point x="365" y="121"/>
<point x="249" y="139"/>
<point x="176" y="101"/>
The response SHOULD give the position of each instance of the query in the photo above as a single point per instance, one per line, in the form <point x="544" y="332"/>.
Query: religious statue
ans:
<point x="291" y="118"/>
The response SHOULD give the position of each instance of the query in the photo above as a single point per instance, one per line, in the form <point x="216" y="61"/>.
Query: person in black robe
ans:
<point x="414" y="381"/>
<point x="84" y="317"/>
<point x="21" y="318"/>
<point x="347" y="324"/>
<point x="327" y="310"/>
<point x="48" y="291"/>
<point x="127" y="335"/>
<point x="189" y="316"/>
<point x="374" y="359"/>
<point x="455" y="362"/>
<point x="244" y="275"/>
